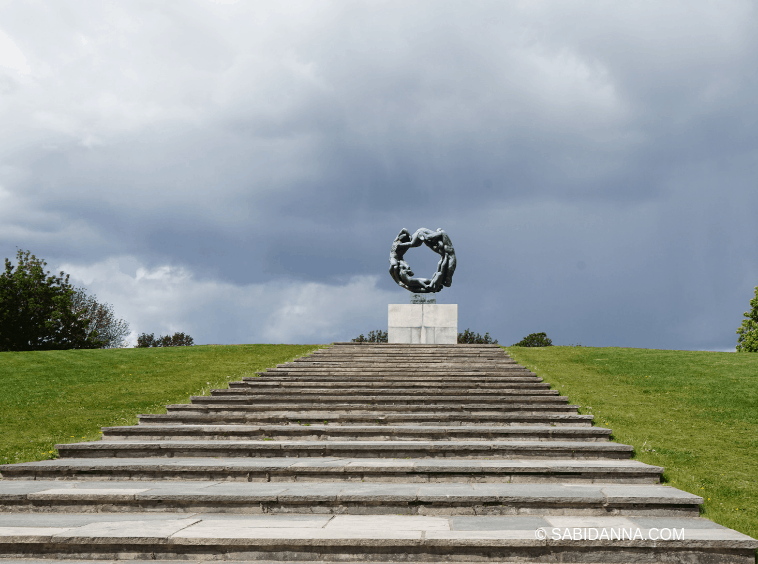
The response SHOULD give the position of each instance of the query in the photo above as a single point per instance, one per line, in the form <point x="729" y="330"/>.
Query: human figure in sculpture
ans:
<point x="407" y="281"/>
<point x="400" y="245"/>
<point x="440" y="243"/>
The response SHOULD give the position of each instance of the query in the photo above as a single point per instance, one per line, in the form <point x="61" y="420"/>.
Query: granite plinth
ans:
<point x="414" y="324"/>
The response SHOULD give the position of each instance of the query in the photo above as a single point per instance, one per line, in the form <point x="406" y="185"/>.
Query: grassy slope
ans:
<point x="66" y="396"/>
<point x="695" y="413"/>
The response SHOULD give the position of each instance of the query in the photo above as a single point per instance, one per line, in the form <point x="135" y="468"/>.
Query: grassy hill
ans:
<point x="66" y="396"/>
<point x="696" y="413"/>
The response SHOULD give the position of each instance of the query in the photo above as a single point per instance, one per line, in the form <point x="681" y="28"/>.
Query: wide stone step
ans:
<point x="413" y="375"/>
<point x="382" y="367"/>
<point x="340" y="408"/>
<point x="441" y="348"/>
<point x="343" y="345"/>
<point x="396" y="359"/>
<point x="418" y="348"/>
<point x="472" y="394"/>
<point x="401" y="363"/>
<point x="392" y="362"/>
<point x="427" y="354"/>
<point x="264" y="385"/>
<point x="403" y="357"/>
<point x="373" y="347"/>
<point x="355" y="432"/>
<point x="373" y="417"/>
<point x="45" y="496"/>
<point x="469" y="377"/>
<point x="397" y="348"/>
<point x="378" y="347"/>
<point x="438" y="386"/>
<point x="318" y="469"/>
<point x="523" y="449"/>
<point x="374" y="538"/>
<point x="472" y="378"/>
<point x="374" y="399"/>
<point x="462" y="364"/>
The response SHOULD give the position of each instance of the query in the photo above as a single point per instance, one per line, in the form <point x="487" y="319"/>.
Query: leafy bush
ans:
<point x="535" y="340"/>
<point x="470" y="338"/>
<point x="377" y="336"/>
<point x="176" y="340"/>
<point x="748" y="332"/>
<point x="102" y="320"/>
<point x="36" y="309"/>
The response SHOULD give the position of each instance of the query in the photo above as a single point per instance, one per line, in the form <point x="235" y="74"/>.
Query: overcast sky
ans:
<point x="238" y="171"/>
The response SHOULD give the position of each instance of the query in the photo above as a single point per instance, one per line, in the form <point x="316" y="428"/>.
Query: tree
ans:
<point x="36" y="309"/>
<point x="471" y="338"/>
<point x="748" y="332"/>
<point x="377" y="336"/>
<point x="146" y="340"/>
<point x="535" y="340"/>
<point x="102" y="319"/>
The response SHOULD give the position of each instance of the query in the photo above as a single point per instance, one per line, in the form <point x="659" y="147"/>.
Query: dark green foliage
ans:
<point x="175" y="340"/>
<point x="36" y="309"/>
<point x="377" y="336"/>
<point x="102" y="320"/>
<point x="470" y="338"/>
<point x="144" y="340"/>
<point x="748" y="332"/>
<point x="535" y="340"/>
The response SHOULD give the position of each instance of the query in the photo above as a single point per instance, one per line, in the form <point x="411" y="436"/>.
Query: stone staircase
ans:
<point x="356" y="453"/>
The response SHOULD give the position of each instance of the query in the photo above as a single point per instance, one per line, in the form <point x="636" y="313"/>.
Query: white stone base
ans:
<point x="415" y="324"/>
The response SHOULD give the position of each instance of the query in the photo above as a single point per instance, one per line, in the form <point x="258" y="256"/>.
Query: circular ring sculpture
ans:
<point x="401" y="272"/>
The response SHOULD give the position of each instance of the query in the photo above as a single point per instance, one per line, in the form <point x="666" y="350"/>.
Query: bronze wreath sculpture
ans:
<point x="401" y="272"/>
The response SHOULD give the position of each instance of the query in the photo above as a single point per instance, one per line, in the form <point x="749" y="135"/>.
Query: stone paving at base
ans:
<point x="447" y="453"/>
<point x="208" y="526"/>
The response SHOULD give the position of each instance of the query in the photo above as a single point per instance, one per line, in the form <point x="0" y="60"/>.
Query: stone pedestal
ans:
<point x="434" y="324"/>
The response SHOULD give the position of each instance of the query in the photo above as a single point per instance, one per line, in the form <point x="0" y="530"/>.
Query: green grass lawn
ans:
<point x="66" y="396"/>
<point x="695" y="413"/>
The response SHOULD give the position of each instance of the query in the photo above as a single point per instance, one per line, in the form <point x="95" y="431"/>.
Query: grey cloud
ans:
<point x="287" y="144"/>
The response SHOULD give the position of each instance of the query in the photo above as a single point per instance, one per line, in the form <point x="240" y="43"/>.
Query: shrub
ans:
<point x="377" y="336"/>
<point x="176" y="340"/>
<point x="470" y="338"/>
<point x="748" y="332"/>
<point x="535" y="340"/>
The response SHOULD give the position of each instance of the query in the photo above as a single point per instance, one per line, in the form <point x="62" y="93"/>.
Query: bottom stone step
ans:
<point x="408" y="470"/>
<point x="373" y="538"/>
<point x="347" y="498"/>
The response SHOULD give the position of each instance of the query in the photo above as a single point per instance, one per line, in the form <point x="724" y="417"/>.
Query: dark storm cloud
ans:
<point x="594" y="163"/>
